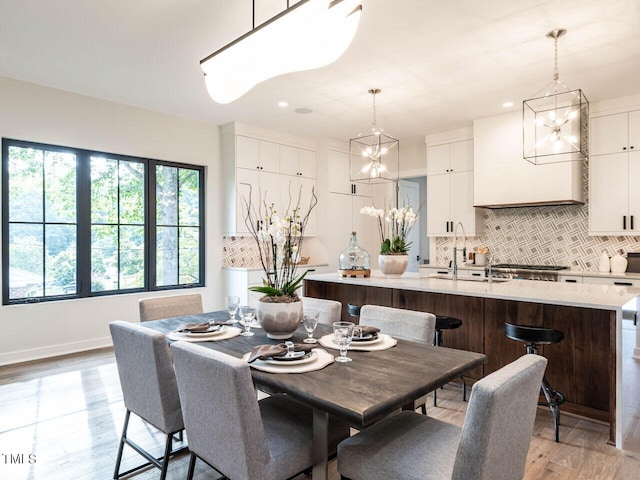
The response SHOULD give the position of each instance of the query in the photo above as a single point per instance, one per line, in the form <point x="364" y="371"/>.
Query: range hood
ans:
<point x="503" y="179"/>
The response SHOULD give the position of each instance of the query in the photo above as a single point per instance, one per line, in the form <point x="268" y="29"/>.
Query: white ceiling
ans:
<point x="440" y="64"/>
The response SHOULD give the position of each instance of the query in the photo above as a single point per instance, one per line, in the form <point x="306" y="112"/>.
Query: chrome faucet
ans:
<point x="455" y="248"/>
<point x="490" y="262"/>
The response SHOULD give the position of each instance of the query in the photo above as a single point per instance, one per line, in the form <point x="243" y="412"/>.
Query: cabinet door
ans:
<point x="634" y="131"/>
<point x="292" y="187"/>
<point x="247" y="152"/>
<point x="438" y="159"/>
<point x="634" y="192"/>
<point x="246" y="176"/>
<point x="461" y="197"/>
<point x="438" y="215"/>
<point x="461" y="156"/>
<point x="608" y="193"/>
<point x="307" y="163"/>
<point x="338" y="164"/>
<point x="270" y="188"/>
<point x="289" y="160"/>
<point x="608" y="134"/>
<point x="269" y="157"/>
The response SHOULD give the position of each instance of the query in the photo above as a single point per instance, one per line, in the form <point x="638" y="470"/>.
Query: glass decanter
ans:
<point x="354" y="257"/>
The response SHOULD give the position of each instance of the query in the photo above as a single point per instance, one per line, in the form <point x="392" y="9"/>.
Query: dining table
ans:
<point x="372" y="386"/>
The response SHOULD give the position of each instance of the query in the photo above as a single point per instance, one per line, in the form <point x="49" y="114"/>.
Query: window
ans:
<point x="78" y="223"/>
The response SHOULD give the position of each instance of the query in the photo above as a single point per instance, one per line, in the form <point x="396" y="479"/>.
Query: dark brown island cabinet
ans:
<point x="582" y="366"/>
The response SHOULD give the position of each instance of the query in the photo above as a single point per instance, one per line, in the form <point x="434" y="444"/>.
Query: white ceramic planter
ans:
<point x="279" y="320"/>
<point x="393" y="266"/>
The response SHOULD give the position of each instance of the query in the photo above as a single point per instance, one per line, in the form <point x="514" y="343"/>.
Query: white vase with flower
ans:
<point x="279" y="239"/>
<point x="394" y="225"/>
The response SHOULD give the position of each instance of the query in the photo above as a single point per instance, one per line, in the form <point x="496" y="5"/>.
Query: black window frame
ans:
<point x="83" y="219"/>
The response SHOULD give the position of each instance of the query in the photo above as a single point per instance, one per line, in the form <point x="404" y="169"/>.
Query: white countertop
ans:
<point x="252" y="269"/>
<point x="579" y="273"/>
<point x="554" y="293"/>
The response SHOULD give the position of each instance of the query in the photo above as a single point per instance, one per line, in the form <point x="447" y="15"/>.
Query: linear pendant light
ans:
<point x="307" y="35"/>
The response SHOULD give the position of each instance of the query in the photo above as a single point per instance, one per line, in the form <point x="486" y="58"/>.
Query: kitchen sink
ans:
<point x="469" y="279"/>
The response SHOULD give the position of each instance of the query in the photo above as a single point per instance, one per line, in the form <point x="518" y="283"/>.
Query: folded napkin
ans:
<point x="362" y="330"/>
<point x="264" y="352"/>
<point x="198" y="327"/>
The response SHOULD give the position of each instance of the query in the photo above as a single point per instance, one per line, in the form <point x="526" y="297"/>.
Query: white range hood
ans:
<point x="502" y="178"/>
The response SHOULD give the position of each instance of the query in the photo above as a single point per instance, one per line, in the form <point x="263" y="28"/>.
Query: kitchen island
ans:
<point x="586" y="366"/>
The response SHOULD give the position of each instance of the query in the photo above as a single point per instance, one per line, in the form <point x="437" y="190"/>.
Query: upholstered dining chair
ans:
<point x="330" y="311"/>
<point x="492" y="444"/>
<point x="231" y="430"/>
<point x="167" y="307"/>
<point x="149" y="389"/>
<point x="400" y="323"/>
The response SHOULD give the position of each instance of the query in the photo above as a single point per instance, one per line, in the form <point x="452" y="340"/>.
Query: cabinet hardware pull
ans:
<point x="442" y="272"/>
<point x="570" y="280"/>
<point x="624" y="222"/>
<point x="631" y="221"/>
<point x="624" y="148"/>
<point x="624" y="284"/>
<point x="631" y="147"/>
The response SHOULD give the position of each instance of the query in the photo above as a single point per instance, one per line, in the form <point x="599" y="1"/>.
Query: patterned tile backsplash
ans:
<point x="239" y="252"/>
<point x="549" y="235"/>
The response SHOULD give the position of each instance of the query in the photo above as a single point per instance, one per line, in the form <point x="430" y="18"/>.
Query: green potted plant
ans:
<point x="279" y="239"/>
<point x="394" y="225"/>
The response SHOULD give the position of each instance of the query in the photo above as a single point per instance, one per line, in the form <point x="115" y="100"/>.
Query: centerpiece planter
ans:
<point x="393" y="266"/>
<point x="279" y="319"/>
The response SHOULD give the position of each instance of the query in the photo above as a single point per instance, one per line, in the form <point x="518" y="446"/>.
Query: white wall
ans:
<point x="46" y="115"/>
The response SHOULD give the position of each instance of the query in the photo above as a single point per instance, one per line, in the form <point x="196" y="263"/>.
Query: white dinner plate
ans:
<point x="362" y="343"/>
<point x="210" y="333"/>
<point x="305" y="359"/>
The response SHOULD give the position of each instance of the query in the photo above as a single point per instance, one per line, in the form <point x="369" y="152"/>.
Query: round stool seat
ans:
<point x="532" y="334"/>
<point x="353" y="310"/>
<point x="447" y="323"/>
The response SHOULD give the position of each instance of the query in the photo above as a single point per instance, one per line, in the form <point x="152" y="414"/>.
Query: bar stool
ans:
<point x="354" y="312"/>
<point x="532" y="337"/>
<point x="446" y="323"/>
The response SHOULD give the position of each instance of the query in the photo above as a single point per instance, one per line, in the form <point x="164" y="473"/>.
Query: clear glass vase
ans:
<point x="354" y="258"/>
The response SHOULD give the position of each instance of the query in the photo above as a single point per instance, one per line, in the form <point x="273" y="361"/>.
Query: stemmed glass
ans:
<point x="232" y="306"/>
<point x="310" y="322"/>
<point x="343" y="333"/>
<point x="248" y="314"/>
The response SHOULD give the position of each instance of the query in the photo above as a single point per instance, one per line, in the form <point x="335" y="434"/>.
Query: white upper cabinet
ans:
<point x="614" y="167"/>
<point x="450" y="189"/>
<point x="615" y="133"/>
<point x="450" y="157"/>
<point x="298" y="162"/>
<point x="257" y="154"/>
<point x="339" y="176"/>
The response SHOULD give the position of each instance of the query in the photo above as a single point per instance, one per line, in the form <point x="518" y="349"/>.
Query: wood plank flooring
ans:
<point x="67" y="412"/>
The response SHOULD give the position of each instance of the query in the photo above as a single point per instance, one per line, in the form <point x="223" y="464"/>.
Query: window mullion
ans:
<point x="83" y="272"/>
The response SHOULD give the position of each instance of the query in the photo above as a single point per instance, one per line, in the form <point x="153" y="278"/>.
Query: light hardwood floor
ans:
<point x="68" y="412"/>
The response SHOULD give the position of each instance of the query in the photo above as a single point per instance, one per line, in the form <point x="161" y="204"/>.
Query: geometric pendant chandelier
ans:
<point x="307" y="35"/>
<point x="555" y="123"/>
<point x="374" y="157"/>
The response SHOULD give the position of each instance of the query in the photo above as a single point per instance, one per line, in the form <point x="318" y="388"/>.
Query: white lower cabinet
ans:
<point x="613" y="281"/>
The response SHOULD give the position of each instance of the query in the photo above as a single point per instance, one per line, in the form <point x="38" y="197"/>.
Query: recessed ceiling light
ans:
<point x="507" y="104"/>
<point x="303" y="110"/>
<point x="283" y="104"/>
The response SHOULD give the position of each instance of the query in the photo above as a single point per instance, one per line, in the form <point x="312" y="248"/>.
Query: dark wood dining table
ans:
<point x="372" y="386"/>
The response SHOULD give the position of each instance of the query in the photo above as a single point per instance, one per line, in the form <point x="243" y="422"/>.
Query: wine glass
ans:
<point x="310" y="322"/>
<point x="248" y="314"/>
<point x="343" y="333"/>
<point x="232" y="306"/>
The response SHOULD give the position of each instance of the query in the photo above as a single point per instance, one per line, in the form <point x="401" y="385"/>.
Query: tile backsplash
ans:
<point x="240" y="252"/>
<point x="548" y="235"/>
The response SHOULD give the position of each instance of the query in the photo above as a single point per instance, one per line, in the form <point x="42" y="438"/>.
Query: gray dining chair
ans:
<point x="167" y="307"/>
<point x="330" y="311"/>
<point x="233" y="432"/>
<point x="492" y="444"/>
<point x="149" y="389"/>
<point x="405" y="324"/>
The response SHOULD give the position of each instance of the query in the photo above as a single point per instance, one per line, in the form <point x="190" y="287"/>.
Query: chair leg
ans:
<point x="423" y="408"/>
<point x="435" y="397"/>
<point x="192" y="466"/>
<point x="165" y="459"/>
<point x="116" y="472"/>
<point x="464" y="390"/>
<point x="554" y="400"/>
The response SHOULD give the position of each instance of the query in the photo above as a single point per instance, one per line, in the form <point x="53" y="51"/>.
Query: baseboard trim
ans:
<point x="53" y="350"/>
